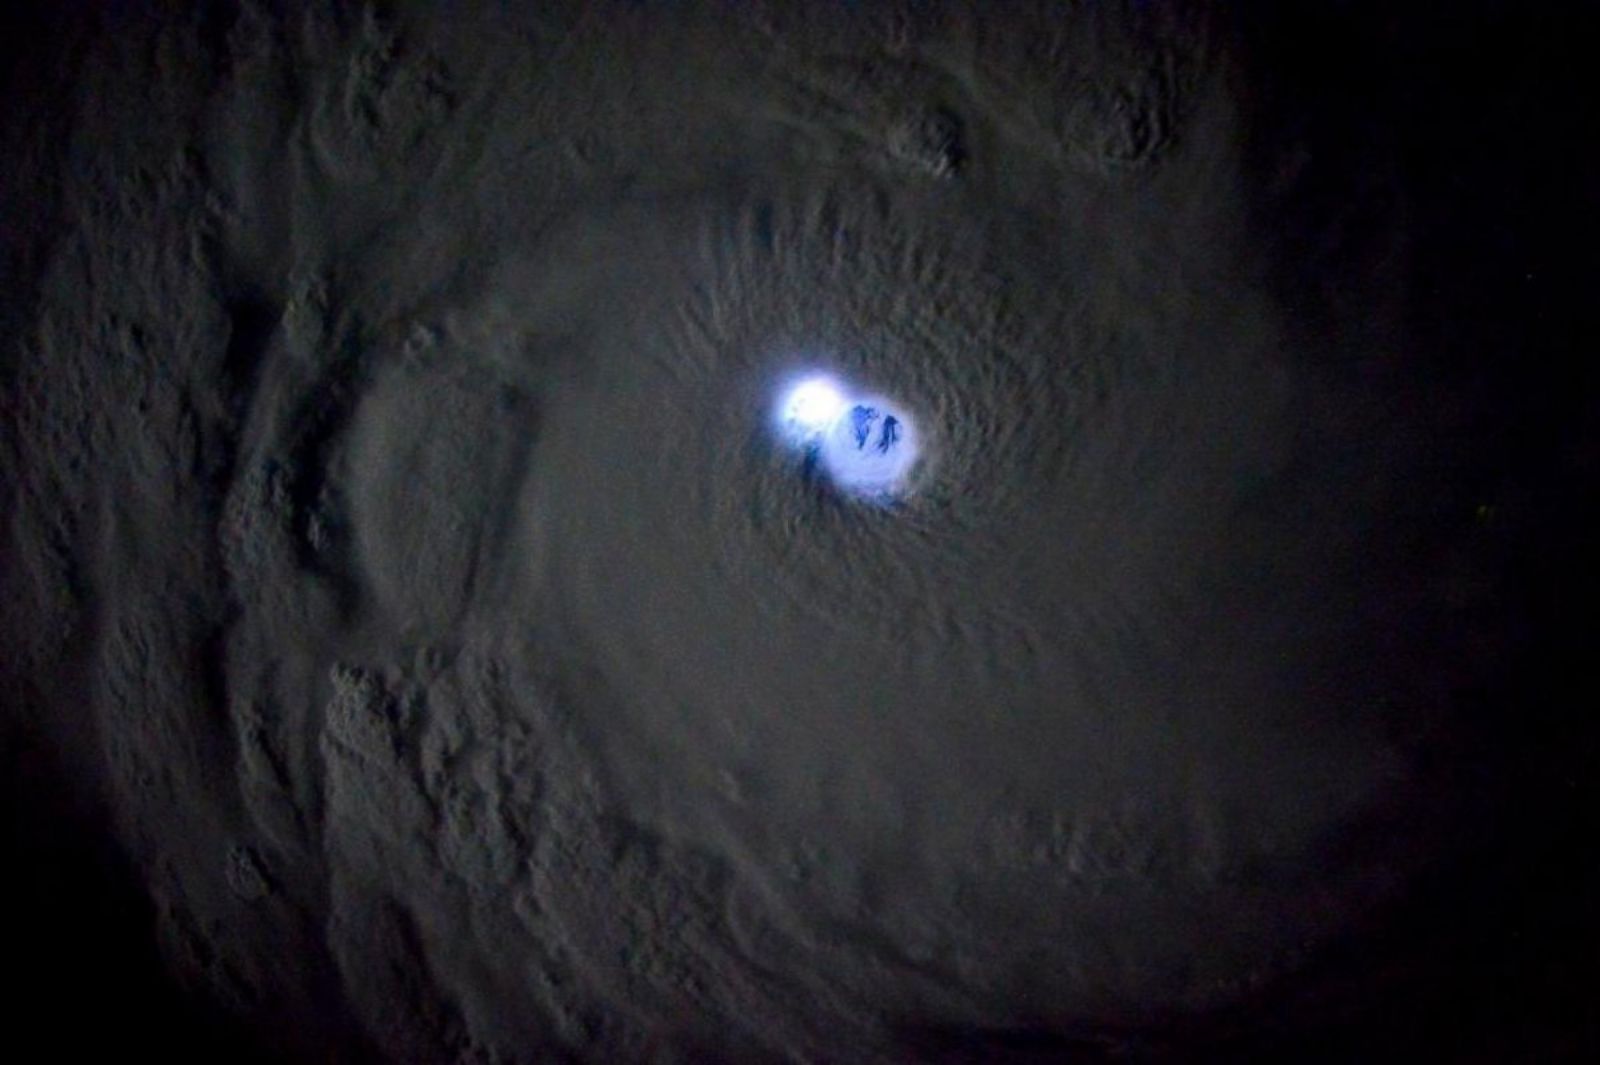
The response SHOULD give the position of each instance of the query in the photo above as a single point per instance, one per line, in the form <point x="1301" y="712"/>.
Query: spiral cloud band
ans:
<point x="780" y="532"/>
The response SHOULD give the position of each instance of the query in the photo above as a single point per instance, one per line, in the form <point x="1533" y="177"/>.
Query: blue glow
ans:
<point x="865" y="444"/>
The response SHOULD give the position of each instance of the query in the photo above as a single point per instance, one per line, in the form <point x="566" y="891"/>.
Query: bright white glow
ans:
<point x="866" y="445"/>
<point x="813" y="404"/>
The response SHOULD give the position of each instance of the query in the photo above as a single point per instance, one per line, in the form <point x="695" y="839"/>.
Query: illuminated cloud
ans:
<point x="867" y="445"/>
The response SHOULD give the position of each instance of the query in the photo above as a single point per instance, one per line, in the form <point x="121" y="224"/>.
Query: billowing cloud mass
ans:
<point x="773" y="532"/>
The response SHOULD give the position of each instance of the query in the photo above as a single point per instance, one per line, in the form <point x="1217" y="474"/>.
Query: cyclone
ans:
<point x="872" y="533"/>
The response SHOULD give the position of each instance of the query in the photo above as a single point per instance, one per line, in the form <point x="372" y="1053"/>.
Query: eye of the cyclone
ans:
<point x="866" y="445"/>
